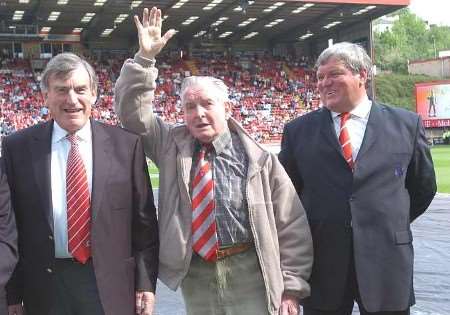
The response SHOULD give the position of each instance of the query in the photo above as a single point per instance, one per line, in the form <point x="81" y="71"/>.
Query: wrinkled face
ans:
<point x="340" y="89"/>
<point x="70" y="99"/>
<point x="205" y="115"/>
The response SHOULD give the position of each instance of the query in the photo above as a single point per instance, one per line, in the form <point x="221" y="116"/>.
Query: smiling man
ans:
<point x="233" y="232"/>
<point x="84" y="206"/>
<point x="364" y="172"/>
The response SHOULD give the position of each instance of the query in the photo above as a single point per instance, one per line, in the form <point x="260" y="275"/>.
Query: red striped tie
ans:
<point x="203" y="205"/>
<point x="344" y="139"/>
<point x="78" y="204"/>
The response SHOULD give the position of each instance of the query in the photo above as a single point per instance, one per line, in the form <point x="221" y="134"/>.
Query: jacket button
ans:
<point x="352" y="198"/>
<point x="50" y="237"/>
<point x="49" y="270"/>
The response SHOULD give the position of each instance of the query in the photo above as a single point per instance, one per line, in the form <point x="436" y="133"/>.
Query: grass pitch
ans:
<point x="440" y="153"/>
<point x="441" y="159"/>
<point x="154" y="174"/>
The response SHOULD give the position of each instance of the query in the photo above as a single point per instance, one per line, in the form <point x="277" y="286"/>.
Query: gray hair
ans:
<point x="352" y="55"/>
<point x="204" y="81"/>
<point x="62" y="65"/>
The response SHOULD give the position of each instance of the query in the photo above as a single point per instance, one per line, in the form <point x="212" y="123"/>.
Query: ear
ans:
<point x="94" y="97"/>
<point x="363" y="76"/>
<point x="228" y="109"/>
<point x="45" y="97"/>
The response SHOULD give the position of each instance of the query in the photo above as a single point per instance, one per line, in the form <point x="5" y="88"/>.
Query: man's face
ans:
<point x="204" y="114"/>
<point x="70" y="99"/>
<point x="340" y="89"/>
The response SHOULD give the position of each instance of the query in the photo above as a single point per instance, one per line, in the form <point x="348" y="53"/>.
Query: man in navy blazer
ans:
<point x="117" y="273"/>
<point x="364" y="173"/>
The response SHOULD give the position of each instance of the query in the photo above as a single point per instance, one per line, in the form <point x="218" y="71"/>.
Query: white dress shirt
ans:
<point x="59" y="154"/>
<point x="356" y="124"/>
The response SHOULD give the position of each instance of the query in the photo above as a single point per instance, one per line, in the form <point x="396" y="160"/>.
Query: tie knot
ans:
<point x="73" y="139"/>
<point x="206" y="148"/>
<point x="344" y="117"/>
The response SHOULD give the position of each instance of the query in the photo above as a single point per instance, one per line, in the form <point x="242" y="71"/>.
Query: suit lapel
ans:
<point x="40" y="148"/>
<point x="374" y="125"/>
<point x="101" y="154"/>
<point x="328" y="131"/>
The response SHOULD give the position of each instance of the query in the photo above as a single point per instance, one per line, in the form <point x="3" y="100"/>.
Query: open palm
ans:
<point x="149" y="32"/>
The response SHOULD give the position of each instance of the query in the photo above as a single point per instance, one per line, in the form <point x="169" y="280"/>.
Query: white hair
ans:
<point x="352" y="55"/>
<point x="221" y="90"/>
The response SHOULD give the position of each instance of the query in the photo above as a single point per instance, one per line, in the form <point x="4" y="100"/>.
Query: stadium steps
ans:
<point x="190" y="64"/>
<point x="290" y="74"/>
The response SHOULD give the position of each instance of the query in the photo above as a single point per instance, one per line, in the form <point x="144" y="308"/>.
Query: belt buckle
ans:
<point x="221" y="254"/>
<point x="233" y="250"/>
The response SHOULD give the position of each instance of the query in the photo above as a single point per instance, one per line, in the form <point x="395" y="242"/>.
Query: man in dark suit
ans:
<point x="364" y="172"/>
<point x="84" y="207"/>
<point x="8" y="238"/>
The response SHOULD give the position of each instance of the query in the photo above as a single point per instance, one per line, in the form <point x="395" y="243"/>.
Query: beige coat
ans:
<point x="277" y="218"/>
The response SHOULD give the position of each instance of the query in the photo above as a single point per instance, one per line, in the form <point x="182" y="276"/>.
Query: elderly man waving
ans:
<point x="233" y="232"/>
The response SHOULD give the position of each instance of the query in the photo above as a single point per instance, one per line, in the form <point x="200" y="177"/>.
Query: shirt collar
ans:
<point x="222" y="141"/>
<point x="219" y="143"/>
<point x="361" y="110"/>
<point x="58" y="133"/>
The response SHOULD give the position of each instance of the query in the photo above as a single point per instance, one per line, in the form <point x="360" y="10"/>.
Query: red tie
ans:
<point x="78" y="204"/>
<point x="344" y="139"/>
<point x="203" y="218"/>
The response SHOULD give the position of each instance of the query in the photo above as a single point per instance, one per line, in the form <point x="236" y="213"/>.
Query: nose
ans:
<point x="326" y="81"/>
<point x="199" y="111"/>
<point x="72" y="97"/>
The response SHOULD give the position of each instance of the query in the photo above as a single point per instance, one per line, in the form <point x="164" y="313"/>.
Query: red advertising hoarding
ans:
<point x="433" y="103"/>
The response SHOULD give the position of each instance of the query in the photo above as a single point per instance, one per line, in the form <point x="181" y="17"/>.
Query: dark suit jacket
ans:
<point x="367" y="212"/>
<point x="8" y="238"/>
<point x="124" y="233"/>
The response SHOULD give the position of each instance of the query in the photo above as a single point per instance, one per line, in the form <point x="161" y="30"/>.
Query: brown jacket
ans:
<point x="124" y="233"/>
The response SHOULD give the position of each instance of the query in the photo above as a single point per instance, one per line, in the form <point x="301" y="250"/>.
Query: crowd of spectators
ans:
<point x="265" y="92"/>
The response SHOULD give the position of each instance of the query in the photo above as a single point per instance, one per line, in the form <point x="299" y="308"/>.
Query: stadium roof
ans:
<point x="228" y="20"/>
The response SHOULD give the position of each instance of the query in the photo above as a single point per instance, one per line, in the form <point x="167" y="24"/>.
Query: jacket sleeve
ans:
<point x="134" y="94"/>
<point x="14" y="287"/>
<point x="8" y="232"/>
<point x="294" y="235"/>
<point x="145" y="225"/>
<point x="287" y="159"/>
<point x="420" y="177"/>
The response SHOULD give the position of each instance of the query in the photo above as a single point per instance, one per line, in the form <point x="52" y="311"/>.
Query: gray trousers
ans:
<point x="231" y="286"/>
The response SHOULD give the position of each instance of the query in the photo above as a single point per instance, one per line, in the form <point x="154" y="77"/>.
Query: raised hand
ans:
<point x="149" y="33"/>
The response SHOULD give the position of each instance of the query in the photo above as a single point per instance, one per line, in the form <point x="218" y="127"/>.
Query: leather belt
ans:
<point x="233" y="250"/>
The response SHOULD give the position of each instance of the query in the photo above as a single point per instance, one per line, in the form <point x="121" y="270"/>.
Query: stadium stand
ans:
<point x="265" y="92"/>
